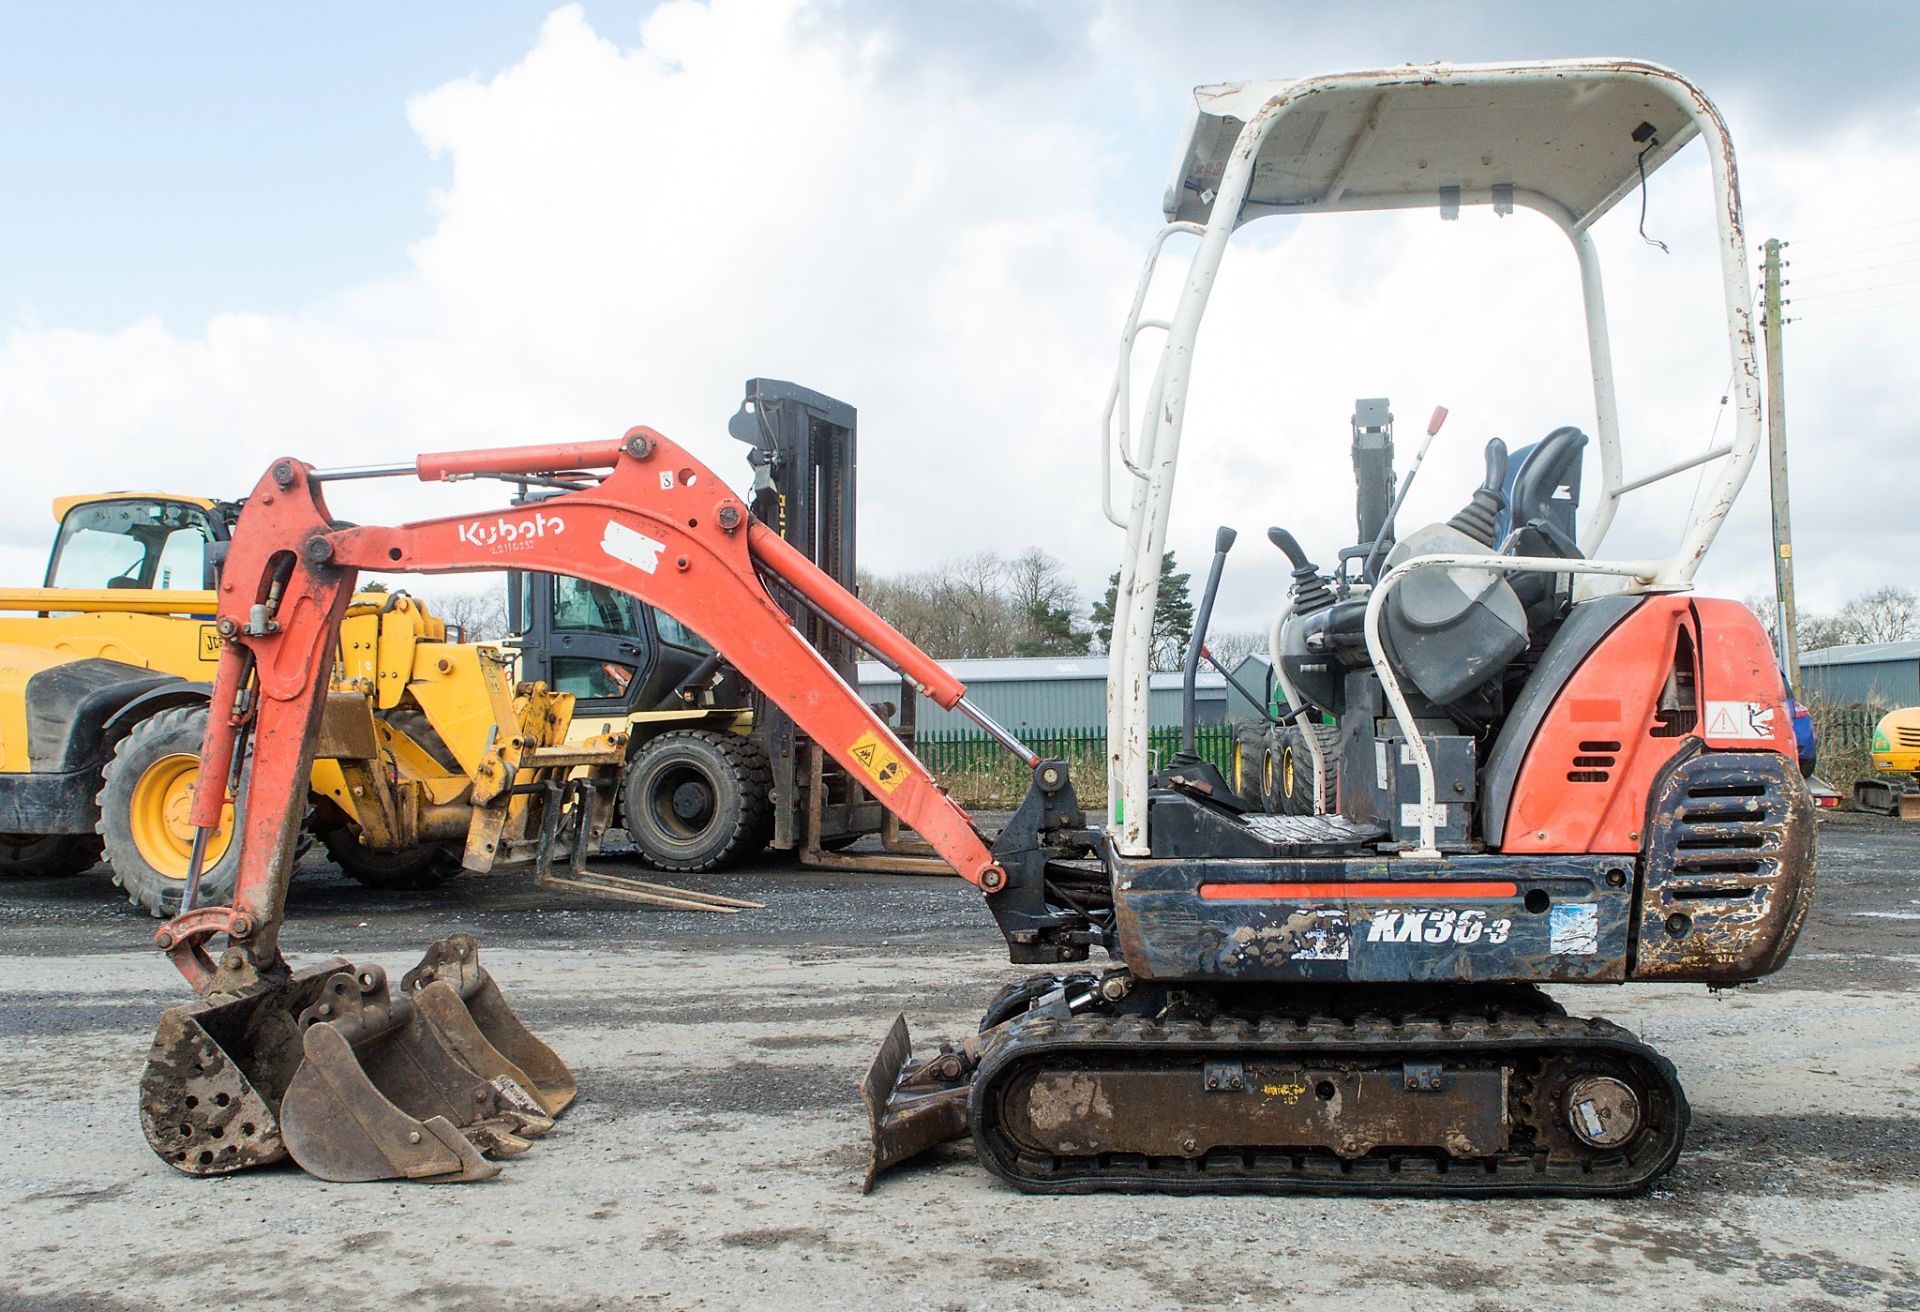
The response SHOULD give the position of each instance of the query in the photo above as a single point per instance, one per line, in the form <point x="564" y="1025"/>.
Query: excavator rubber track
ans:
<point x="1517" y="1103"/>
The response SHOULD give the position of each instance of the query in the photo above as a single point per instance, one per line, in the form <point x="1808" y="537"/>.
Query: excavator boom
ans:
<point x="324" y="1048"/>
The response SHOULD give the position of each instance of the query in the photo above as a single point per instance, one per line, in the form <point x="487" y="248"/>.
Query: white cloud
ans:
<point x="786" y="190"/>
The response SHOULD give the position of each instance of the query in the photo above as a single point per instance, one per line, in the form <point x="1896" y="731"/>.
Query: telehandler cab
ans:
<point x="1551" y="767"/>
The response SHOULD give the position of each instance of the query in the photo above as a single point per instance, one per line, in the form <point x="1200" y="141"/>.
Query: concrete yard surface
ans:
<point x="715" y="1154"/>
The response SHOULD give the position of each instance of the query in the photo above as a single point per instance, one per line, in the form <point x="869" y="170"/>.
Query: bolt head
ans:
<point x="283" y="473"/>
<point x="728" y="516"/>
<point x="639" y="447"/>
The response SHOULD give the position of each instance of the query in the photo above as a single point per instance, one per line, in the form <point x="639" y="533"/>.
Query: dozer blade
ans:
<point x="471" y="1016"/>
<point x="378" y="1096"/>
<point x="912" y="1105"/>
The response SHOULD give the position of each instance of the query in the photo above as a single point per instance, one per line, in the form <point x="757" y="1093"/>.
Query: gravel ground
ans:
<point x="714" y="1156"/>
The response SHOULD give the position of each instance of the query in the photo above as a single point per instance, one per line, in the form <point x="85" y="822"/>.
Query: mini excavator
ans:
<point x="1534" y="764"/>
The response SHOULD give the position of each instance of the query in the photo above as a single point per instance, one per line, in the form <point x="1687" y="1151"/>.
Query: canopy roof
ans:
<point x="1564" y="129"/>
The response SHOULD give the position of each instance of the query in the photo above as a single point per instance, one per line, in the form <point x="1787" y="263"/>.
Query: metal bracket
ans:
<point x="1225" y="1076"/>
<point x="1422" y="1077"/>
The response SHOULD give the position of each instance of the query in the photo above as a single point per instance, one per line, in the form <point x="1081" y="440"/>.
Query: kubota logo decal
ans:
<point x="505" y="534"/>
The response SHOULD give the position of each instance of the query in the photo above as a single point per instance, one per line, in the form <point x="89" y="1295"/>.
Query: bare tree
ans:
<point x="983" y="605"/>
<point x="1888" y="614"/>
<point x="1235" y="645"/>
<point x="481" y="616"/>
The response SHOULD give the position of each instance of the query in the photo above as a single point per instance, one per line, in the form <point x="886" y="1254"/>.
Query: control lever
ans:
<point x="1223" y="540"/>
<point x="1400" y="497"/>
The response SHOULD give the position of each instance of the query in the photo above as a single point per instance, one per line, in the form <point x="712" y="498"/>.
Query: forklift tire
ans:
<point x="48" y="856"/>
<point x="1251" y="764"/>
<point x="698" y="799"/>
<point x="426" y="866"/>
<point x="145" y="795"/>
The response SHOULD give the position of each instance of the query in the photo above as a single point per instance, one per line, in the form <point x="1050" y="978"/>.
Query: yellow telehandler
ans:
<point x="430" y="759"/>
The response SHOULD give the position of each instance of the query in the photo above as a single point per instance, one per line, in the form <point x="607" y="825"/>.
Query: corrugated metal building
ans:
<point x="1255" y="674"/>
<point x="1863" y="673"/>
<point x="1046" y="692"/>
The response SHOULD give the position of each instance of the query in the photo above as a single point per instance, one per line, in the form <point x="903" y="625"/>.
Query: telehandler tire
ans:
<point x="1290" y="773"/>
<point x="48" y="856"/>
<point x="698" y="799"/>
<point x="145" y="796"/>
<point x="427" y="866"/>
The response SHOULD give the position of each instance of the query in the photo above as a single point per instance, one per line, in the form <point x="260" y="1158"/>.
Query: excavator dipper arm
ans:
<point x="659" y="525"/>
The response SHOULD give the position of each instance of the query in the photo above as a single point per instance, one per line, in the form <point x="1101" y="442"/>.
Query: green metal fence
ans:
<point x="1845" y="732"/>
<point x="958" y="751"/>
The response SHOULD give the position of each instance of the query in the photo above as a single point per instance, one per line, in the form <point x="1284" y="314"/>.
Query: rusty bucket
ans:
<point x="326" y="1066"/>
<point x="378" y="1096"/>
<point x="219" y="1068"/>
<point x="471" y="1017"/>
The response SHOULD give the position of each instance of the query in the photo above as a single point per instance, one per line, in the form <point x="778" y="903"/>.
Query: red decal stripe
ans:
<point x="1387" y="890"/>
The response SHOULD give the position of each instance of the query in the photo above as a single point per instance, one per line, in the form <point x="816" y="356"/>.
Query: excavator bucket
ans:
<point x="327" y="1067"/>
<point x="466" y="1009"/>
<point x="911" y="1105"/>
<point x="219" y="1069"/>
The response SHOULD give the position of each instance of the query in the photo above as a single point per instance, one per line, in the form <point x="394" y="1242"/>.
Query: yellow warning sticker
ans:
<point x="872" y="754"/>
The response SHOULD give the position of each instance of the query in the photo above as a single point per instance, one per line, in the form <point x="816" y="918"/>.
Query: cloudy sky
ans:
<point x="355" y="232"/>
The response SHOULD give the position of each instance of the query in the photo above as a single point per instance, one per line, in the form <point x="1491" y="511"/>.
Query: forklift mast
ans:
<point x="803" y="447"/>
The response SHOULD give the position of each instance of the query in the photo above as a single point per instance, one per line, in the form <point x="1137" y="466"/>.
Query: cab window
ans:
<point x="133" y="544"/>
<point x="582" y="607"/>
<point x="676" y="634"/>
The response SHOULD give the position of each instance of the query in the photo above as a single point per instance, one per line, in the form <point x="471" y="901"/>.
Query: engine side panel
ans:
<point x="1591" y="766"/>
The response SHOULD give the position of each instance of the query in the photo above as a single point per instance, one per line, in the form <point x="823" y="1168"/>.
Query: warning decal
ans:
<point x="872" y="754"/>
<point x="1739" y="720"/>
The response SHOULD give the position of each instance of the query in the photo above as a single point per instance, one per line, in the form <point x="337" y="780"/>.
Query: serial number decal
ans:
<point x="1440" y="926"/>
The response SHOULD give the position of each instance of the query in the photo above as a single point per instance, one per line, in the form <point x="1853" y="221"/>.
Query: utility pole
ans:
<point x="1786" y="615"/>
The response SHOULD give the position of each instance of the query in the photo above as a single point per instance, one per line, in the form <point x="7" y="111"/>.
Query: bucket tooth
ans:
<point x="375" y="1086"/>
<point x="912" y="1105"/>
<point x="467" y="1009"/>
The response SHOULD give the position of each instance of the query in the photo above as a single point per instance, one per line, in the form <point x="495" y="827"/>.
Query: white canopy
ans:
<point x="1564" y="131"/>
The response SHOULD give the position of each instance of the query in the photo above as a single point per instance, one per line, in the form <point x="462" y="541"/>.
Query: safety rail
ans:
<point x="1120" y="393"/>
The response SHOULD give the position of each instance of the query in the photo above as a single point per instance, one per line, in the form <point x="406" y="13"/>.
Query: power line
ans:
<point x="1855" y="291"/>
<point x="1853" y="309"/>
<point x="1854" y="232"/>
<point x="1870" y="250"/>
<point x="1820" y="272"/>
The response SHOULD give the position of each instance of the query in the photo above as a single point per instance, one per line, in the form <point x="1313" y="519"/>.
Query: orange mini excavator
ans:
<point x="1533" y="764"/>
